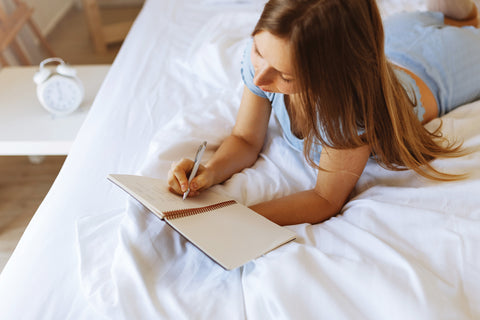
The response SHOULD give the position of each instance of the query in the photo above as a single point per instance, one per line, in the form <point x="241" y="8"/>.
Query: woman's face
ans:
<point x="273" y="63"/>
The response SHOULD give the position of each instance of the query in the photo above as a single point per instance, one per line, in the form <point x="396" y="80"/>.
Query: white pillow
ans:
<point x="216" y="53"/>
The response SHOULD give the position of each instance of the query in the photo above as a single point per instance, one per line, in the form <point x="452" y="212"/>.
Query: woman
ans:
<point x="342" y="93"/>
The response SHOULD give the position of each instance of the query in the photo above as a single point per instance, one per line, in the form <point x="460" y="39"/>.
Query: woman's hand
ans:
<point x="238" y="151"/>
<point x="179" y="174"/>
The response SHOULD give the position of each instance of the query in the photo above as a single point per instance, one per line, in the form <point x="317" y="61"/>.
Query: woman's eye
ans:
<point x="256" y="50"/>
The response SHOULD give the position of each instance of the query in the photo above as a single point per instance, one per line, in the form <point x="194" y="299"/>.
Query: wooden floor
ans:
<point x="23" y="185"/>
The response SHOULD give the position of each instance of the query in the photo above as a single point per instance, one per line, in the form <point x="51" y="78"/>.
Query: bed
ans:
<point x="402" y="247"/>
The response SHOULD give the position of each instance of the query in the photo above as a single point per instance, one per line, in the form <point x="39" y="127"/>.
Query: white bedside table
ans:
<point x="26" y="128"/>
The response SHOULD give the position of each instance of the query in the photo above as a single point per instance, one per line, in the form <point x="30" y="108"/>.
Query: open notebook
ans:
<point x="228" y="232"/>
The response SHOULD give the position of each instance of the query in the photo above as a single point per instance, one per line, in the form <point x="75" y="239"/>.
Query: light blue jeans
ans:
<point x="446" y="58"/>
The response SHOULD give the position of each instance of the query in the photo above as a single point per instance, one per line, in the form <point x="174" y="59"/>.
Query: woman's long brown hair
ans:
<point x="349" y="93"/>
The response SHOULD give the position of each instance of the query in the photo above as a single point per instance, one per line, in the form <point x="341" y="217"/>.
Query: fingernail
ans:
<point x="193" y="185"/>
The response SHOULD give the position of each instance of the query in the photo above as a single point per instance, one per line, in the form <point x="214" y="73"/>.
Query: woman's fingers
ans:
<point x="177" y="176"/>
<point x="201" y="181"/>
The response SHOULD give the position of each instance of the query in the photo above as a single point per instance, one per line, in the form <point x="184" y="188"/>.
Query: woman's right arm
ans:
<point x="237" y="152"/>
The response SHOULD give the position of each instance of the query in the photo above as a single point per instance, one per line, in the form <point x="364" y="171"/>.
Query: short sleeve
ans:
<point x="248" y="72"/>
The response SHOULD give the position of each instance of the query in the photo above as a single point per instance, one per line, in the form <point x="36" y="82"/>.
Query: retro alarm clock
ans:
<point x="59" y="90"/>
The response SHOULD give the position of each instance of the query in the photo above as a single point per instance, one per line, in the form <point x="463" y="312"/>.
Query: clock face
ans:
<point x="60" y="95"/>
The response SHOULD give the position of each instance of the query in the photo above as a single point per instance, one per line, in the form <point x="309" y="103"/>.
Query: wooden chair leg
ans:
<point x="3" y="61"/>
<point x="21" y="55"/>
<point x="95" y="27"/>
<point x="11" y="24"/>
<point x="42" y="39"/>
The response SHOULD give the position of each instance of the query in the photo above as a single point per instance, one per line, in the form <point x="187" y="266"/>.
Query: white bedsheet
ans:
<point x="403" y="247"/>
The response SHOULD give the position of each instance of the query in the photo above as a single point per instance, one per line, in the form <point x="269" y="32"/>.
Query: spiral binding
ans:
<point x="175" y="214"/>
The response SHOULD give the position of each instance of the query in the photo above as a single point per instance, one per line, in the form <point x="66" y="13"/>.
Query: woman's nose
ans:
<point x="262" y="76"/>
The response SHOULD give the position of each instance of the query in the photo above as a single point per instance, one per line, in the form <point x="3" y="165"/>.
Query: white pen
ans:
<point x="198" y="158"/>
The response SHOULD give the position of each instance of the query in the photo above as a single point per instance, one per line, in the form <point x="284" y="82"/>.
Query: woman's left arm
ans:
<point x="334" y="185"/>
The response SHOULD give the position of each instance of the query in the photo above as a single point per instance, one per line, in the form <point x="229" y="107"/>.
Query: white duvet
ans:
<point x="402" y="248"/>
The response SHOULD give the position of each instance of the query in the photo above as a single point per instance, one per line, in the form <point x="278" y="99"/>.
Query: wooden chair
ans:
<point x="102" y="35"/>
<point x="11" y="24"/>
